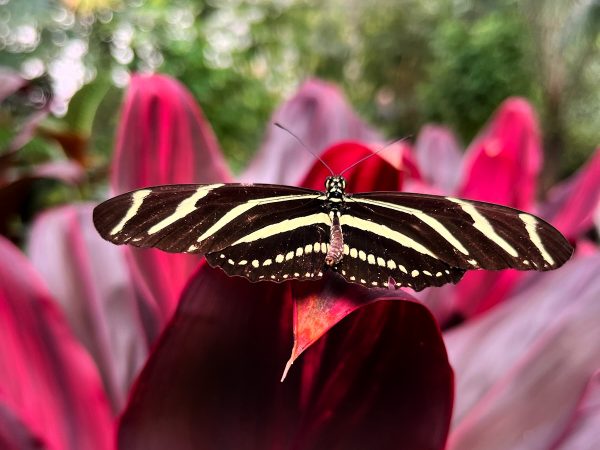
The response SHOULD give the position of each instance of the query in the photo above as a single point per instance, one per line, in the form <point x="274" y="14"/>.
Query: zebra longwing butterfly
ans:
<point x="376" y="239"/>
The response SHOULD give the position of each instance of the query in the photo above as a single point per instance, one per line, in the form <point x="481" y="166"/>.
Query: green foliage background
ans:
<point x="401" y="63"/>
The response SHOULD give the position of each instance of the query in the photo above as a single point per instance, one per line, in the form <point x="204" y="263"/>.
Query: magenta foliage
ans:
<point x="51" y="394"/>
<point x="522" y="368"/>
<point x="213" y="380"/>
<point x="320" y="116"/>
<point x="163" y="138"/>
<point x="439" y="158"/>
<point x="88" y="277"/>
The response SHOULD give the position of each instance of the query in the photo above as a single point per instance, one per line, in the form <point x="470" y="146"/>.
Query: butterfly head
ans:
<point x="335" y="187"/>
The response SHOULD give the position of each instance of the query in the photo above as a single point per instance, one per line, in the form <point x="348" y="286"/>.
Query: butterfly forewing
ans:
<point x="199" y="218"/>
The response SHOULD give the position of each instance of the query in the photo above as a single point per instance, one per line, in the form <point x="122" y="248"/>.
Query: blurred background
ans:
<point x="401" y="64"/>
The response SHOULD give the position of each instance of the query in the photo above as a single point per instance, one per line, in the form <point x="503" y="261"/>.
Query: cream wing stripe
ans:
<point x="285" y="226"/>
<point x="137" y="198"/>
<point x="531" y="227"/>
<point x="432" y="222"/>
<point x="372" y="227"/>
<point x="185" y="208"/>
<point x="241" y="209"/>
<point x="482" y="224"/>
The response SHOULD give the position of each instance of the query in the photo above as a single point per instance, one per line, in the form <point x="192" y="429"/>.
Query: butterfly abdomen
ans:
<point x="336" y="240"/>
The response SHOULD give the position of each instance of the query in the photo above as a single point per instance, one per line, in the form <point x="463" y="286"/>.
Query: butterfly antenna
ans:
<point x="373" y="154"/>
<point x="277" y="124"/>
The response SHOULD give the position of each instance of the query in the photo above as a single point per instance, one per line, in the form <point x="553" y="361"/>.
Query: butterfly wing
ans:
<point x="256" y="231"/>
<point x="425" y="240"/>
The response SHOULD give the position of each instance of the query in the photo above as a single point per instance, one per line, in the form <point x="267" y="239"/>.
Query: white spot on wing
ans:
<point x="299" y="251"/>
<point x="137" y="198"/>
<point x="267" y="262"/>
<point x="371" y="259"/>
<point x="391" y="264"/>
<point x="279" y="259"/>
<point x="415" y="273"/>
<point x="289" y="256"/>
<point x="380" y="261"/>
<point x="255" y="263"/>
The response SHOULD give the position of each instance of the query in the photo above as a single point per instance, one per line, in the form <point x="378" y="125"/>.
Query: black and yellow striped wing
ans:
<point x="256" y="231"/>
<point x="272" y="232"/>
<point x="425" y="240"/>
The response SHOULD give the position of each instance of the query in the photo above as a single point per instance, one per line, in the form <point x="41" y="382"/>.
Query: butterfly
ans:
<point x="375" y="239"/>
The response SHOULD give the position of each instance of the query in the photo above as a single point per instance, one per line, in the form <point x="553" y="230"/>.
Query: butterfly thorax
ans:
<point x="335" y="187"/>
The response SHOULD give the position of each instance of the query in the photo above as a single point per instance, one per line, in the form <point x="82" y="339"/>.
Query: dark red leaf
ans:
<point x="379" y="379"/>
<point x="385" y="171"/>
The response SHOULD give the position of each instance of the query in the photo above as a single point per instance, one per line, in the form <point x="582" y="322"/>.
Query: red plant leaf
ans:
<point x="319" y="114"/>
<point x="521" y="368"/>
<point x="380" y="378"/>
<point x="385" y="171"/>
<point x="572" y="204"/>
<point x="501" y="166"/>
<point x="439" y="157"/>
<point x="319" y="306"/>
<point x="49" y="383"/>
<point x="100" y="305"/>
<point x="163" y="138"/>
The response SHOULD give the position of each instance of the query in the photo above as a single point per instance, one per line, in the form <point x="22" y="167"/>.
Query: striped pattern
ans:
<point x="379" y="239"/>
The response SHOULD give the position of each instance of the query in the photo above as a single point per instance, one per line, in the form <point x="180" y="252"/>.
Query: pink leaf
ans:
<point x="521" y="368"/>
<point x="439" y="157"/>
<point x="380" y="376"/>
<point x="501" y="166"/>
<point x="584" y="430"/>
<point x="571" y="205"/>
<point x="320" y="116"/>
<point x="49" y="383"/>
<point x="163" y="138"/>
<point x="89" y="279"/>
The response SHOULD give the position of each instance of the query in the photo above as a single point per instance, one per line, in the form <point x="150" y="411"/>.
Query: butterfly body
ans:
<point x="376" y="239"/>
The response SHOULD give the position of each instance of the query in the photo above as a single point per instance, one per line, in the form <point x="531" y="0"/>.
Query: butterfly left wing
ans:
<point x="255" y="231"/>
<point x="425" y="240"/>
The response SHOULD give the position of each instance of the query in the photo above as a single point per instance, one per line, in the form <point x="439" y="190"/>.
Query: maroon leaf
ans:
<point x="318" y="114"/>
<point x="89" y="279"/>
<point x="163" y="138"/>
<point x="379" y="378"/>
<point x="50" y="385"/>
<point x="522" y="367"/>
